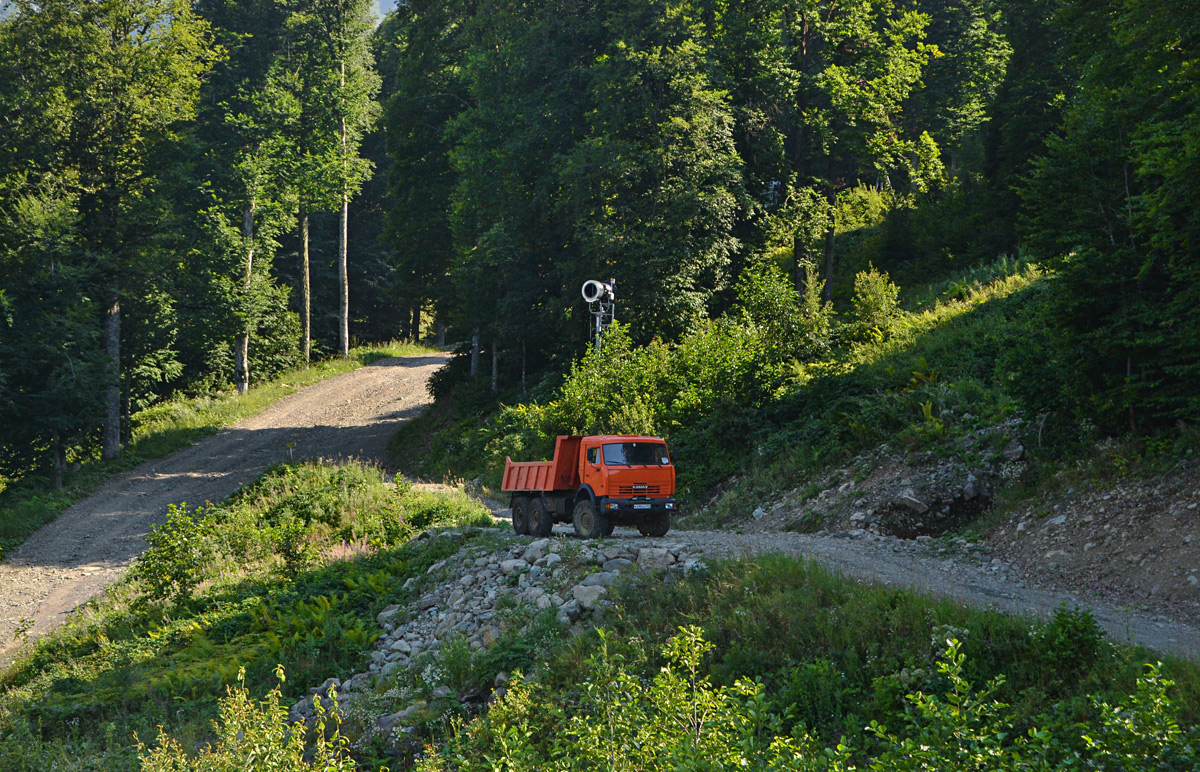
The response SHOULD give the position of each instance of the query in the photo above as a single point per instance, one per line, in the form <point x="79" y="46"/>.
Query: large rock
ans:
<point x="388" y="615"/>
<point x="537" y="550"/>
<point x="616" y="564"/>
<point x="653" y="558"/>
<point x="513" y="566"/>
<point x="908" y="498"/>
<point x="588" y="596"/>
<point x="598" y="579"/>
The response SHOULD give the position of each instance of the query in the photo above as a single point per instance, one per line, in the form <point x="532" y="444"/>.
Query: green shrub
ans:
<point x="173" y="565"/>
<point x="256" y="737"/>
<point x="876" y="304"/>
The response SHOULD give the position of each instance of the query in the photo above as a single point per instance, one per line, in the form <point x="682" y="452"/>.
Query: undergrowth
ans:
<point x="292" y="571"/>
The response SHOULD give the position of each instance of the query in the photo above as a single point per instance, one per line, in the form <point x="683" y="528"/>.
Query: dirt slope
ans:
<point x="93" y="542"/>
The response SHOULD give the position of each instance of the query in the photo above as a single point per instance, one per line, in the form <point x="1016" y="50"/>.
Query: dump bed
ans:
<point x="544" y="476"/>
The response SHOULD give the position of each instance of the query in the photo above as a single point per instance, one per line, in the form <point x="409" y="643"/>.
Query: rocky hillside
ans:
<point x="474" y="598"/>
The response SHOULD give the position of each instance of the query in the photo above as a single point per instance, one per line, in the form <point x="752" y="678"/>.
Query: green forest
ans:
<point x="195" y="196"/>
<point x="845" y="236"/>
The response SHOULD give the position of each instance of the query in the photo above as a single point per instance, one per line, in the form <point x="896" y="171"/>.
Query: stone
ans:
<point x="440" y="693"/>
<point x="438" y="566"/>
<point x="908" y="499"/>
<point x="598" y="579"/>
<point x="501" y="679"/>
<point x="549" y="561"/>
<point x="650" y="558"/>
<point x="759" y="513"/>
<point x="387" y="616"/>
<point x="972" y="488"/>
<point x="1014" y="452"/>
<point x="616" y="564"/>
<point x="924" y="539"/>
<point x="857" y="518"/>
<point x="325" y="686"/>
<point x="512" y="566"/>
<point x="588" y="596"/>
<point x="402" y="646"/>
<point x="536" y="550"/>
<point x="1057" y="520"/>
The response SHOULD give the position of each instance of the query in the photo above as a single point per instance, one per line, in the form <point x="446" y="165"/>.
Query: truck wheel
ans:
<point x="520" y="515"/>
<point x="656" y="525"/>
<point x="590" y="523"/>
<point x="540" y="519"/>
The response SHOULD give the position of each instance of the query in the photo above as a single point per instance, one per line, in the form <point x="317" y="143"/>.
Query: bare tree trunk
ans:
<point x="414" y="331"/>
<point x="343" y="277"/>
<point x="344" y="281"/>
<point x="60" y="459"/>
<point x="827" y="291"/>
<point x="111" y="441"/>
<point x="241" y="364"/>
<point x="441" y="333"/>
<point x="495" y="365"/>
<point x="475" y="353"/>
<point x="305" y="290"/>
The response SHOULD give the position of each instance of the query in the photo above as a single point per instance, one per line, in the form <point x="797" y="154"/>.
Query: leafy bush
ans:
<point x="680" y="720"/>
<point x="256" y="737"/>
<point x="173" y="565"/>
<point x="876" y="304"/>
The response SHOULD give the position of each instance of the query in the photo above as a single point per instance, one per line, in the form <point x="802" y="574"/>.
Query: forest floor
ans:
<point x="354" y="415"/>
<point x="93" y="542"/>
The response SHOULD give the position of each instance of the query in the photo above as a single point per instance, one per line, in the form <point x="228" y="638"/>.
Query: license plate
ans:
<point x="641" y="506"/>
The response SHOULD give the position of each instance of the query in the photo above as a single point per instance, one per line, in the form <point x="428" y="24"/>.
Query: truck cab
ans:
<point x="596" y="482"/>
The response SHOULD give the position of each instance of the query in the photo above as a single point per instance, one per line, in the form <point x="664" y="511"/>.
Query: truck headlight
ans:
<point x="670" y="505"/>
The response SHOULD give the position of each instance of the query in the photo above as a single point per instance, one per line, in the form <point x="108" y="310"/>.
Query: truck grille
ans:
<point x="638" y="490"/>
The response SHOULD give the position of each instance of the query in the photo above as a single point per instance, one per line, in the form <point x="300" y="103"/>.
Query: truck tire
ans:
<point x="590" y="522"/>
<point x="540" y="519"/>
<point x="656" y="525"/>
<point x="520" y="515"/>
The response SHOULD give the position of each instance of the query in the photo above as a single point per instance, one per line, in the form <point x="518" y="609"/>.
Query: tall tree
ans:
<point x="123" y="73"/>
<point x="337" y="35"/>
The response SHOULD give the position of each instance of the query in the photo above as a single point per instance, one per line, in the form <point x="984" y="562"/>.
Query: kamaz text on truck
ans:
<point x="595" y="482"/>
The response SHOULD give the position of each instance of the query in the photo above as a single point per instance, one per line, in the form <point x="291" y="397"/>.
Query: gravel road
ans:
<point x="969" y="579"/>
<point x="91" y="544"/>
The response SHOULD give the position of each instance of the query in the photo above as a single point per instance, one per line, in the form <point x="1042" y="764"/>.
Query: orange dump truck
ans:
<point x="596" y="482"/>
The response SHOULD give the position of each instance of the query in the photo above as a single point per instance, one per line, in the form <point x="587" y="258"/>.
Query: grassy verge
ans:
<point x="292" y="571"/>
<point x="26" y="505"/>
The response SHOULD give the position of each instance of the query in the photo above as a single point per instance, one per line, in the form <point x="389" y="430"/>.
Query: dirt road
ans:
<point x="91" y="544"/>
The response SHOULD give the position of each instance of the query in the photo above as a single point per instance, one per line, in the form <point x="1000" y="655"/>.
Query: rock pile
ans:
<point x="904" y="494"/>
<point x="468" y="595"/>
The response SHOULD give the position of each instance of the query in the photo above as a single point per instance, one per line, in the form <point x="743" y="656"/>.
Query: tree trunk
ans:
<point x="343" y="277"/>
<point x="799" y="262"/>
<point x="475" y="353"/>
<point x="241" y="364"/>
<point x="827" y="290"/>
<point x="344" y="280"/>
<point x="495" y="365"/>
<point x="415" y="330"/>
<point x="441" y="334"/>
<point x="111" y="441"/>
<point x="59" y="452"/>
<point x="304" y="283"/>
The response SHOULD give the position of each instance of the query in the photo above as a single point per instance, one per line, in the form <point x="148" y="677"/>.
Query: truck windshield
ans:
<point x="636" y="454"/>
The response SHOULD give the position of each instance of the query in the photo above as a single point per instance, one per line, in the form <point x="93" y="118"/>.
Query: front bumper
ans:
<point x="633" y="508"/>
